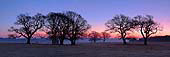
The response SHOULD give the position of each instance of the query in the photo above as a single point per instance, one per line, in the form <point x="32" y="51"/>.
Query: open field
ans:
<point x="85" y="50"/>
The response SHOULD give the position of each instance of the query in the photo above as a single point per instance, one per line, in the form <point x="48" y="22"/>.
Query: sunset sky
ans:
<point x="96" y="12"/>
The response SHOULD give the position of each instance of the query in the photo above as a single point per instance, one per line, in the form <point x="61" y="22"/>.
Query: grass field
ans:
<point x="85" y="50"/>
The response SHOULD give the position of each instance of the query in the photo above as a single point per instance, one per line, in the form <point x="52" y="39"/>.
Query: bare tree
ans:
<point x="58" y="25"/>
<point x="147" y="26"/>
<point x="105" y="36"/>
<point x="94" y="36"/>
<point x="28" y="25"/>
<point x="121" y="24"/>
<point x="78" y="26"/>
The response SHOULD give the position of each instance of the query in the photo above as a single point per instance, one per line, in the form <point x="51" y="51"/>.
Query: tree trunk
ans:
<point x="73" y="42"/>
<point x="104" y="39"/>
<point x="124" y="41"/>
<point x="28" y="40"/>
<point x="94" y="40"/>
<point x="145" y="41"/>
<point x="61" y="41"/>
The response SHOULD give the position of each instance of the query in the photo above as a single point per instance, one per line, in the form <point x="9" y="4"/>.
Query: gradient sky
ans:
<point x="96" y="12"/>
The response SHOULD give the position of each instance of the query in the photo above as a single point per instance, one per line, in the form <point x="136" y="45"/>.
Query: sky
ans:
<point x="96" y="12"/>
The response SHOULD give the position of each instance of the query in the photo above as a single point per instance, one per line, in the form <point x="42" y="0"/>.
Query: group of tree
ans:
<point x="59" y="26"/>
<point x="72" y="26"/>
<point x="124" y="25"/>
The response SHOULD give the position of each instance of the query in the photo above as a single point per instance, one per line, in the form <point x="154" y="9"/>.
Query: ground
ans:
<point x="85" y="50"/>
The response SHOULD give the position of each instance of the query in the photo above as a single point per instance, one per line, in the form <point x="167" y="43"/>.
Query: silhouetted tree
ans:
<point x="105" y="35"/>
<point x="121" y="24"/>
<point x="94" y="36"/>
<point x="58" y="25"/>
<point x="28" y="25"/>
<point x="78" y="26"/>
<point x="147" y="26"/>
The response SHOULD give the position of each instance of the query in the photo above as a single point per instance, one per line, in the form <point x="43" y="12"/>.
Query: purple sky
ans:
<point x="96" y="12"/>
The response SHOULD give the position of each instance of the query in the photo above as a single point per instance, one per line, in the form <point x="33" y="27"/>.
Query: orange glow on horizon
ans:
<point x="102" y="28"/>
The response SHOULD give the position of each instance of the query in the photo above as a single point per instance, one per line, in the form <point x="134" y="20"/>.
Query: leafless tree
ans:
<point x="94" y="36"/>
<point x="105" y="36"/>
<point x="78" y="26"/>
<point x="28" y="25"/>
<point x="147" y="26"/>
<point x="121" y="24"/>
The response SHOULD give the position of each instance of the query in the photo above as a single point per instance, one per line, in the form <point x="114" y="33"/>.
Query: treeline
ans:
<point x="72" y="26"/>
<point x="125" y="25"/>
